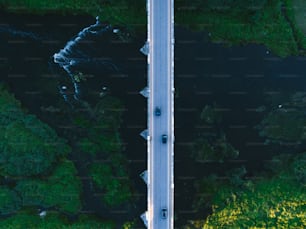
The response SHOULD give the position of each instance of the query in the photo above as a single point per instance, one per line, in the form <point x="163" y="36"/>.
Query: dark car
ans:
<point x="157" y="111"/>
<point x="164" y="138"/>
<point x="164" y="213"/>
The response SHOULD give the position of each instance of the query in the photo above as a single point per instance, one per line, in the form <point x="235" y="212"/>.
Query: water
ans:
<point x="49" y="90"/>
<point x="237" y="79"/>
<point x="72" y="56"/>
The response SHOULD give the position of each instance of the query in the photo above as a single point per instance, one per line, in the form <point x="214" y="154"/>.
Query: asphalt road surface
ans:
<point x="161" y="88"/>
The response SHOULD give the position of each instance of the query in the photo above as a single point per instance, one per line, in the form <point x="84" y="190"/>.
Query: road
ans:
<point x="161" y="94"/>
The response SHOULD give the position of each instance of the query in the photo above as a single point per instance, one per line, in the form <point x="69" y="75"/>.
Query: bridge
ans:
<point x="160" y="133"/>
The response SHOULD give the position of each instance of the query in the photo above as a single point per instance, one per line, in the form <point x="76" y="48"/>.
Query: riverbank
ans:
<point x="260" y="24"/>
<point x="205" y="74"/>
<point x="69" y="123"/>
<point x="299" y="10"/>
<point x="277" y="24"/>
<point x="126" y="13"/>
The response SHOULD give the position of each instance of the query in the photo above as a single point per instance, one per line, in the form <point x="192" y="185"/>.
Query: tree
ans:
<point x="285" y="122"/>
<point x="270" y="203"/>
<point x="295" y="165"/>
<point x="52" y="220"/>
<point x="27" y="146"/>
<point x="213" y="148"/>
<point x="282" y="125"/>
<point x="10" y="108"/>
<point x="108" y="113"/>
<point x="298" y="168"/>
<point x="222" y="5"/>
<point x="62" y="189"/>
<point x="273" y="203"/>
<point x="113" y="181"/>
<point x="101" y="134"/>
<point x="9" y="201"/>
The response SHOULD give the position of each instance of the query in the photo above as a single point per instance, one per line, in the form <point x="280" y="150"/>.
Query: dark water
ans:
<point x="27" y="47"/>
<point x="237" y="79"/>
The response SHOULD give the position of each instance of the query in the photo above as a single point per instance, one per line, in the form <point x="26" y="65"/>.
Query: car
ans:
<point x="164" y="213"/>
<point x="157" y="111"/>
<point x="164" y="138"/>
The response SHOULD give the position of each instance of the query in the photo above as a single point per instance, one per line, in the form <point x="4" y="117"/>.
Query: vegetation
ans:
<point x="128" y="225"/>
<point x="101" y="140"/>
<point x="33" y="160"/>
<point x="273" y="203"/>
<point x="227" y="21"/>
<point x="210" y="115"/>
<point x="284" y="126"/>
<point x="298" y="168"/>
<point x="130" y="13"/>
<point x="29" y="149"/>
<point x="27" y="146"/>
<point x="213" y="149"/>
<point x="241" y="22"/>
<point x="61" y="190"/>
<point x="276" y="202"/>
<point x="101" y="134"/>
<point x="275" y="198"/>
<point x="295" y="10"/>
<point x="9" y="201"/>
<point x="32" y="151"/>
<point x="211" y="143"/>
<point x="113" y="183"/>
<point x="285" y="122"/>
<point x="52" y="220"/>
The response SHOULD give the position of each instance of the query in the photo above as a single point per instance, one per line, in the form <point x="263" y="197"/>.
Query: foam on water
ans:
<point x="72" y="55"/>
<point x="19" y="33"/>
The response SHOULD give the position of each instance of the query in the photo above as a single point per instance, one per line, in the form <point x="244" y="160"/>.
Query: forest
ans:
<point x="38" y="171"/>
